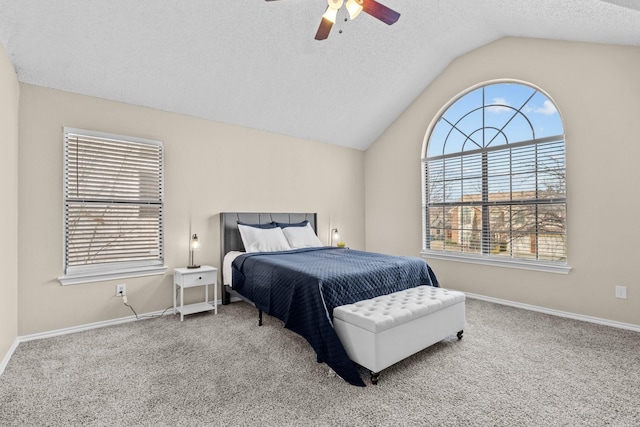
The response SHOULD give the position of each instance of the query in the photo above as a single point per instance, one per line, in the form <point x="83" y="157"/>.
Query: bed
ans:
<point x="302" y="285"/>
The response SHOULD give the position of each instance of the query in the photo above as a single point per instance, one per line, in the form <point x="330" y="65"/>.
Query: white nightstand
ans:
<point x="189" y="277"/>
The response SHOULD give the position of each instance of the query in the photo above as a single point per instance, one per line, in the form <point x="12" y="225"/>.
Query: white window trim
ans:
<point x="112" y="274"/>
<point x="88" y="274"/>
<point x="542" y="266"/>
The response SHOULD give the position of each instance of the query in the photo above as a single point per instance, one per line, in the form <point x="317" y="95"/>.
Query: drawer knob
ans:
<point x="200" y="278"/>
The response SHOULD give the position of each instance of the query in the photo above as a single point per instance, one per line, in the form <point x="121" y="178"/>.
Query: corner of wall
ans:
<point x="9" y="106"/>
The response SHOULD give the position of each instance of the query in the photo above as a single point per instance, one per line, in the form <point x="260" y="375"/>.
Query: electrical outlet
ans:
<point x="621" y="292"/>
<point x="121" y="290"/>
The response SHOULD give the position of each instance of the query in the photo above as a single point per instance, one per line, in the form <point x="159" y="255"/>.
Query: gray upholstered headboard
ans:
<point x="230" y="236"/>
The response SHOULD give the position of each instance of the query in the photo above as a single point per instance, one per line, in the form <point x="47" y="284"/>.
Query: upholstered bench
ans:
<point x="378" y="332"/>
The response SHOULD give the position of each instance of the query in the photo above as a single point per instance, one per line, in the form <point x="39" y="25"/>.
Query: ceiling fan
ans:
<point x="354" y="7"/>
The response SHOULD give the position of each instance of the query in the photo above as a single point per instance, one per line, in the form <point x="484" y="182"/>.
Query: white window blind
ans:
<point x="113" y="200"/>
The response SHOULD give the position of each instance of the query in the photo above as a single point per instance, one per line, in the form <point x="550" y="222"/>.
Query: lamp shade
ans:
<point x="334" y="236"/>
<point x="354" y="7"/>
<point x="193" y="246"/>
<point x="195" y="243"/>
<point x="331" y="14"/>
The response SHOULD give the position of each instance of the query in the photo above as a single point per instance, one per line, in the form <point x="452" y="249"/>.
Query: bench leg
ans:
<point x="259" y="317"/>
<point x="460" y="334"/>
<point x="374" y="377"/>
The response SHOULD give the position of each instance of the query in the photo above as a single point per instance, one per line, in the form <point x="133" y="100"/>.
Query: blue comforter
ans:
<point x="302" y="287"/>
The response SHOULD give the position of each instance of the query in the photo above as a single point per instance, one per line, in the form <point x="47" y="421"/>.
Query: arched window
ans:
<point x="494" y="177"/>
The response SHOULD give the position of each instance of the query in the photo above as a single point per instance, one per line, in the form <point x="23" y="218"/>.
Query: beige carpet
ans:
<point x="513" y="368"/>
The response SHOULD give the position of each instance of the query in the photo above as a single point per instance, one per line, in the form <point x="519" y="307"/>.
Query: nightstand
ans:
<point x="188" y="278"/>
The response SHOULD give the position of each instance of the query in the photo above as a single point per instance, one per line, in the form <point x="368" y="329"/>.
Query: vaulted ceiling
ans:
<point x="256" y="64"/>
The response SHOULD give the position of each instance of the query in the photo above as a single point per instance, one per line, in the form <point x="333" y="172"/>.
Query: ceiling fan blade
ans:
<point x="324" y="29"/>
<point x="380" y="11"/>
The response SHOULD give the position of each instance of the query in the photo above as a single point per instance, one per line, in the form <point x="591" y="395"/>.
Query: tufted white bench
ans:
<point x="378" y="332"/>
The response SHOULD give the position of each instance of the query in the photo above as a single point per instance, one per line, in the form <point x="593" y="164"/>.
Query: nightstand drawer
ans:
<point x="199" y="279"/>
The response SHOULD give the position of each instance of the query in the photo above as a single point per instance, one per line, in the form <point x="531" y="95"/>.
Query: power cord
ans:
<point x="146" y="316"/>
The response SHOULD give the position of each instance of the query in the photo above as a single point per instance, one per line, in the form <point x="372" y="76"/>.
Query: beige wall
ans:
<point x="212" y="167"/>
<point x="597" y="90"/>
<point x="209" y="168"/>
<point x="9" y="90"/>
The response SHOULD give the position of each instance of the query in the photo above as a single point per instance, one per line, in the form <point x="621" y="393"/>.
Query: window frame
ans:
<point x="76" y="274"/>
<point x="485" y="257"/>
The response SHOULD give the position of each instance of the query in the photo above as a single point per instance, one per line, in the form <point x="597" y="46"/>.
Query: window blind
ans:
<point x="113" y="191"/>
<point x="519" y="195"/>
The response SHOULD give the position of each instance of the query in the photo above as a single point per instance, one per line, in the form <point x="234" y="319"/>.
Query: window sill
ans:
<point x="546" y="267"/>
<point x="75" y="279"/>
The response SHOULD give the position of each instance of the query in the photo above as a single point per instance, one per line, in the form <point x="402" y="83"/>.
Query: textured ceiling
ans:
<point x="256" y="64"/>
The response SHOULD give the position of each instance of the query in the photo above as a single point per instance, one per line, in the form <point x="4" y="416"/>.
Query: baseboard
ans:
<point x="581" y="317"/>
<point x="80" y="328"/>
<point x="88" y="326"/>
<point x="7" y="357"/>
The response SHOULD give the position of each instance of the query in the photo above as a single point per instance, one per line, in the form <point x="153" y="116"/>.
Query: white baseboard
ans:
<point x="88" y="326"/>
<point x="95" y="325"/>
<point x="581" y="317"/>
<point x="80" y="328"/>
<point x="7" y="357"/>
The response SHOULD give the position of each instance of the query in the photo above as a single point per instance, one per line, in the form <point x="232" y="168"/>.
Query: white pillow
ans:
<point x="263" y="239"/>
<point x="301" y="237"/>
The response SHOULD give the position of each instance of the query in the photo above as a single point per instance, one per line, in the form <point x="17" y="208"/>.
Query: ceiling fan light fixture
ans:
<point x="331" y="14"/>
<point x="354" y="7"/>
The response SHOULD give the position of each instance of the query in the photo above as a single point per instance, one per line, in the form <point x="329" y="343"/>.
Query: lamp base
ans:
<point x="193" y="266"/>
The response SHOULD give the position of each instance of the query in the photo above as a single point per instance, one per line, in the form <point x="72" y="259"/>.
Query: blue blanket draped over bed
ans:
<point x="302" y="287"/>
